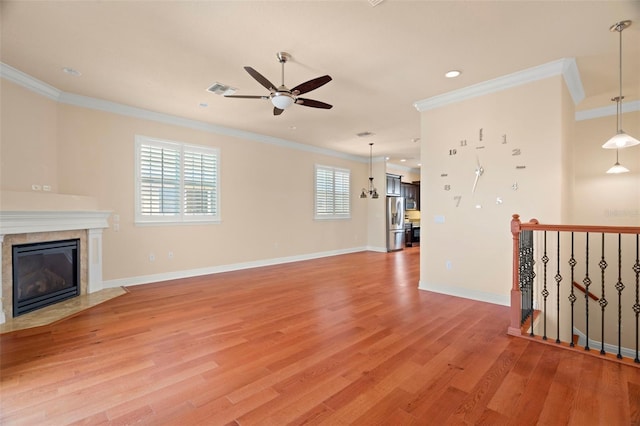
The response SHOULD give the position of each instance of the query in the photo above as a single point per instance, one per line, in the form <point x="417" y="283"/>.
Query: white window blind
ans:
<point x="332" y="193"/>
<point x="175" y="182"/>
<point x="200" y="183"/>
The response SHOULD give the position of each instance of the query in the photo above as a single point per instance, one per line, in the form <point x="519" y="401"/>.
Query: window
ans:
<point x="333" y="200"/>
<point x="175" y="182"/>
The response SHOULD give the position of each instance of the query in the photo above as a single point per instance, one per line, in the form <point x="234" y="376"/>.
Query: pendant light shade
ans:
<point x="620" y="139"/>
<point x="617" y="168"/>
<point x="372" y="191"/>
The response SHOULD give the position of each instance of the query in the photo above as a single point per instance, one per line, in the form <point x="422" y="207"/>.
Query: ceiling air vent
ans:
<point x="221" y="89"/>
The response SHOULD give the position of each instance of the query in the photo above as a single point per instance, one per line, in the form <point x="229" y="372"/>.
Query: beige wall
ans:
<point x="468" y="252"/>
<point x="266" y="190"/>
<point x="600" y="198"/>
<point x="29" y="122"/>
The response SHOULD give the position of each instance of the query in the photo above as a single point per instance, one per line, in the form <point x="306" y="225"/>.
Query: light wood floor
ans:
<point x="341" y="340"/>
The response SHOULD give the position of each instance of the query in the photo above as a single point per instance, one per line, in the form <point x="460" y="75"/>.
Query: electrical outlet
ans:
<point x="46" y="188"/>
<point x="449" y="265"/>
<point x="36" y="187"/>
<point x="170" y="255"/>
<point x="152" y="257"/>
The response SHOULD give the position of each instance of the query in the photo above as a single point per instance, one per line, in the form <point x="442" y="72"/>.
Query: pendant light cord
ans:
<point x="619" y="103"/>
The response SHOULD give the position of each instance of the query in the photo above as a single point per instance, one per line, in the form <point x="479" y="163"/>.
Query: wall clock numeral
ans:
<point x="480" y="135"/>
<point x="453" y="151"/>
<point x="463" y="142"/>
<point x="447" y="187"/>
<point x="457" y="199"/>
<point x="516" y="151"/>
<point x="521" y="167"/>
<point x="443" y="175"/>
<point x="504" y="139"/>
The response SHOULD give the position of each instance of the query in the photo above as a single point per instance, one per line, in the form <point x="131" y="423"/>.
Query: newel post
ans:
<point x="516" y="297"/>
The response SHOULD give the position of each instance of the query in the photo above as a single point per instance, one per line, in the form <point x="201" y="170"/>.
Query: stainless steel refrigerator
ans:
<point x="395" y="223"/>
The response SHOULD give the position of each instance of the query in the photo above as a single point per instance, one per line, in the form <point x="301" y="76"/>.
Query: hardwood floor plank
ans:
<point x="340" y="340"/>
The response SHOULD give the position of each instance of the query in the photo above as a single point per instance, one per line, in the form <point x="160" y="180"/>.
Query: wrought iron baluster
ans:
<point x="572" y="296"/>
<point x="636" y="306"/>
<point x="603" y="301"/>
<point x="619" y="287"/>
<point x="522" y="270"/>
<point x="587" y="282"/>
<point x="545" y="292"/>
<point x="558" y="279"/>
<point x="526" y="275"/>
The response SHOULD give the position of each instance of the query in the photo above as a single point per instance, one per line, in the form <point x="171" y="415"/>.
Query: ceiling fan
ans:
<point x="282" y="97"/>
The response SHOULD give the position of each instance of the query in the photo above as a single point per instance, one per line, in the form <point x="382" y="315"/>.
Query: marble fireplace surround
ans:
<point x="19" y="227"/>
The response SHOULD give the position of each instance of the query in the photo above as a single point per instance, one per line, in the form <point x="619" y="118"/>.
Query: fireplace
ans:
<point x="19" y="227"/>
<point x="45" y="273"/>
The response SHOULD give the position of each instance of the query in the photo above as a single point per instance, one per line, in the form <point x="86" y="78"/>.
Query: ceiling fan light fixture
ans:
<point x="282" y="100"/>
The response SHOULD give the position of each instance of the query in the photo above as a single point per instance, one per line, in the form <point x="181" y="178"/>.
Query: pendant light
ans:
<point x="620" y="139"/>
<point x="372" y="191"/>
<point x="617" y="168"/>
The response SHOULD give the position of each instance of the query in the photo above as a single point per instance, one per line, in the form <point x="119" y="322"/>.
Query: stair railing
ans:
<point x="543" y="257"/>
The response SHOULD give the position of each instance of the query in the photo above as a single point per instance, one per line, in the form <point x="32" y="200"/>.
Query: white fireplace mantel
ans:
<point x="24" y="222"/>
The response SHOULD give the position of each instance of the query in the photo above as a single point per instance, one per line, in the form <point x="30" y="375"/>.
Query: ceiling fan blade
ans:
<point x="261" y="79"/>
<point x="277" y="111"/>
<point x="313" y="103"/>
<point x="247" y="96"/>
<point x="311" y="84"/>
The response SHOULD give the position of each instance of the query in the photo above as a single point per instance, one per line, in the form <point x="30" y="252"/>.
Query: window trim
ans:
<point x="331" y="216"/>
<point x="181" y="218"/>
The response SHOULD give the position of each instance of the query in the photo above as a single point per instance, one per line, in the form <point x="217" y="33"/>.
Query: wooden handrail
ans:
<point x="584" y="290"/>
<point x="534" y="225"/>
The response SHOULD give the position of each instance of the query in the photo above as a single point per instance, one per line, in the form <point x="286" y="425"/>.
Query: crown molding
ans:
<point x="566" y="67"/>
<point x="607" y="111"/>
<point x="22" y="79"/>
<point x="25" y="80"/>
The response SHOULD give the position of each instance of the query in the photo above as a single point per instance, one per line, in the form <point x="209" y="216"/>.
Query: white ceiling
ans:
<point x="162" y="55"/>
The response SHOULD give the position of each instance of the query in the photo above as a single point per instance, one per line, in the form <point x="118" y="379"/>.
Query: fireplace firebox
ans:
<point x="45" y="273"/>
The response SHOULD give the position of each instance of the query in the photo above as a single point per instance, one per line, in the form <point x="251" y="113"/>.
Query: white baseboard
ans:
<point x="595" y="345"/>
<point x="481" y="296"/>
<point x="146" y="279"/>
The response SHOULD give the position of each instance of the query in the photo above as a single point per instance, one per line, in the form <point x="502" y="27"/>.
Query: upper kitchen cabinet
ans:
<point x="411" y="193"/>
<point x="394" y="186"/>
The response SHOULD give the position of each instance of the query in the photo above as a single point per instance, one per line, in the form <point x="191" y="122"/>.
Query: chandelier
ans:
<point x="372" y="191"/>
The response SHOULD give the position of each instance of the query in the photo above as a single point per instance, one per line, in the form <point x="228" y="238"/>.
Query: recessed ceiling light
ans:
<point x="72" y="72"/>
<point x="402" y="160"/>
<point x="292" y="127"/>
<point x="452" y="73"/>
<point x="419" y="164"/>
<point x="203" y="104"/>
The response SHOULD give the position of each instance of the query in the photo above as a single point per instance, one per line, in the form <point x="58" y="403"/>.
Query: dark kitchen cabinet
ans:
<point x="411" y="191"/>
<point x="394" y="186"/>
